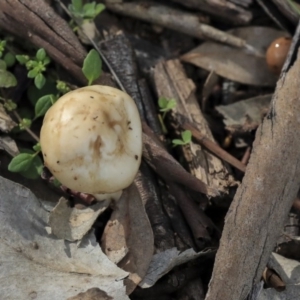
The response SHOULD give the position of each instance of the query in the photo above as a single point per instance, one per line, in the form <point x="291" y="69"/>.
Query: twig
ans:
<point x="213" y="147"/>
<point x="177" y="20"/>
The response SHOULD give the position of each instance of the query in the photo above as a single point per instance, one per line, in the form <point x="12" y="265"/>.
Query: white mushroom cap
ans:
<point x="91" y="140"/>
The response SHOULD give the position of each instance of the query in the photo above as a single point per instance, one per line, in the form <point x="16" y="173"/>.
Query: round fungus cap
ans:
<point x="91" y="140"/>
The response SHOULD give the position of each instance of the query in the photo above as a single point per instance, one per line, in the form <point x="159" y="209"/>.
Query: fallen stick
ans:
<point x="257" y="214"/>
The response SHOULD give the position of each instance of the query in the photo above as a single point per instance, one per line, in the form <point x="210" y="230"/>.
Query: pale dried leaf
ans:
<point x="71" y="223"/>
<point x="6" y="122"/>
<point x="245" y="115"/>
<point x="164" y="262"/>
<point x="129" y="230"/>
<point x="41" y="265"/>
<point x="9" y="145"/>
<point x="92" y="294"/>
<point x="236" y="64"/>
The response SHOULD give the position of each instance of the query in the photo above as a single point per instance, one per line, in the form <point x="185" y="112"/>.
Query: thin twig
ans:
<point x="213" y="147"/>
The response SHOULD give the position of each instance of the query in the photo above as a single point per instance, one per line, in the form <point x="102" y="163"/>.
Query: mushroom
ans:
<point x="91" y="140"/>
<point x="277" y="52"/>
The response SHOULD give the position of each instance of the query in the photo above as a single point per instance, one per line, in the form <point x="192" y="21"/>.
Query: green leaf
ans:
<point x="89" y="10"/>
<point x="99" y="8"/>
<point x="178" y="142"/>
<point x="35" y="169"/>
<point x="46" y="60"/>
<point x="186" y="136"/>
<point x="22" y="59"/>
<point x="40" y="54"/>
<point x="43" y="104"/>
<point x="33" y="73"/>
<point x="77" y="5"/>
<point x="92" y="66"/>
<point x="162" y="102"/>
<point x="21" y="162"/>
<point x="34" y="94"/>
<point x="37" y="147"/>
<point x="7" y="79"/>
<point x="39" y="80"/>
<point x="9" y="59"/>
<point x="171" y="104"/>
<point x="3" y="65"/>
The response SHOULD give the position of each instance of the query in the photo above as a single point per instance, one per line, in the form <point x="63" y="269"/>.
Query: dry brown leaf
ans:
<point x="129" y="230"/>
<point x="9" y="145"/>
<point x="71" y="223"/>
<point x="235" y="64"/>
<point x="245" y="115"/>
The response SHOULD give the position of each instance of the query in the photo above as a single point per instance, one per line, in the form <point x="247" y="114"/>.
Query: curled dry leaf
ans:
<point x="128" y="237"/>
<point x="41" y="265"/>
<point x="6" y="122"/>
<point x="72" y="224"/>
<point x="245" y="115"/>
<point x="236" y="64"/>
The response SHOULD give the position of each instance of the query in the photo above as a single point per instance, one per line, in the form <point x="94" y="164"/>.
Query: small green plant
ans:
<point x="166" y="105"/>
<point x="88" y="11"/>
<point x="7" y="79"/>
<point x="92" y="66"/>
<point x="186" y="138"/>
<point x="28" y="163"/>
<point x="36" y="67"/>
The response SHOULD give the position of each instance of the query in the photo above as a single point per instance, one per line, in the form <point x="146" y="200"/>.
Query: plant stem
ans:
<point x="30" y="132"/>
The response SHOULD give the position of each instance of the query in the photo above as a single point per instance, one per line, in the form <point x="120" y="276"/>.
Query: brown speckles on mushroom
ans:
<point x="102" y="149"/>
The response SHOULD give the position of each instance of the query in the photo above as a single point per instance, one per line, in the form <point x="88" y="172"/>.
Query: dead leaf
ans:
<point x="92" y="294"/>
<point x="6" y="122"/>
<point x="245" y="115"/>
<point x="129" y="234"/>
<point x="41" y="265"/>
<point x="236" y="64"/>
<point x="72" y="224"/>
<point x="9" y="145"/>
<point x="164" y="262"/>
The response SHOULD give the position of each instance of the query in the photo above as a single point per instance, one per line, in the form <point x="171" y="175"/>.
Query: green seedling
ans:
<point x="2" y="47"/>
<point x="186" y="138"/>
<point x="28" y="163"/>
<point x="165" y="105"/>
<point x="87" y="12"/>
<point x="36" y="67"/>
<point x="92" y="66"/>
<point x="7" y="79"/>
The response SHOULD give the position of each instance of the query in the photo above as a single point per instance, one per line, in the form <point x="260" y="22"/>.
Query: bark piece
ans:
<point x="148" y="189"/>
<point x="172" y="82"/>
<point x="261" y="204"/>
